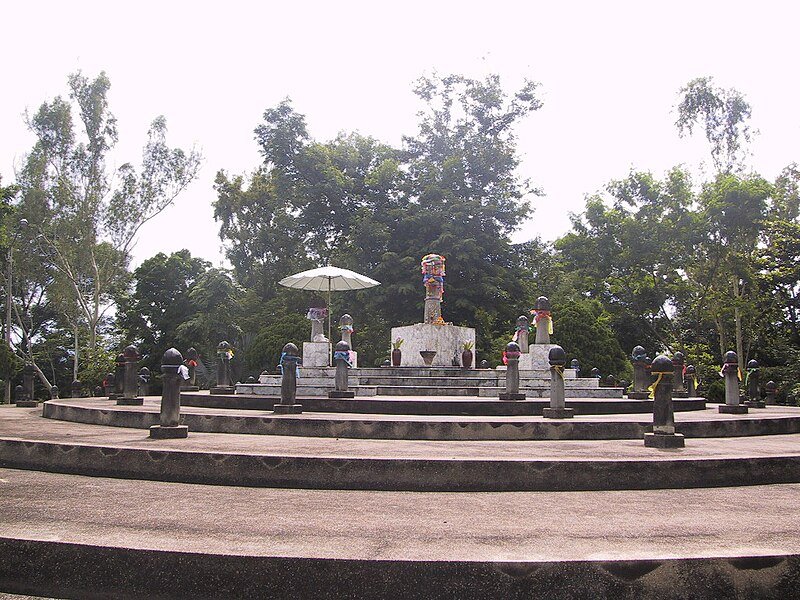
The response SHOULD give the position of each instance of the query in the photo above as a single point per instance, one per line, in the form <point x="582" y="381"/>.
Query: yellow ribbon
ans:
<point x="653" y="387"/>
<point x="558" y="369"/>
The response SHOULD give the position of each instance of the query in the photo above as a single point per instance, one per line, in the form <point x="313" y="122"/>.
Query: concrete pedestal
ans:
<point x="446" y="340"/>
<point x="512" y="396"/>
<point x="27" y="403"/>
<point x="755" y="404"/>
<point x="316" y="354"/>
<point x="536" y="358"/>
<point x="558" y="413"/>
<point x="160" y="432"/>
<point x="341" y="394"/>
<point x="222" y="390"/>
<point x="287" y="409"/>
<point x="661" y="440"/>
<point x="733" y="409"/>
<point x="130" y="401"/>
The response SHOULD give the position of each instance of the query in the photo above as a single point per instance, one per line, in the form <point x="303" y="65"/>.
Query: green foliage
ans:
<point x="584" y="330"/>
<point x="265" y="351"/>
<point x="723" y="114"/>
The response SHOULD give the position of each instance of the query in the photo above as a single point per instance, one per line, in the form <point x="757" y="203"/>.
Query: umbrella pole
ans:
<point x="330" y="310"/>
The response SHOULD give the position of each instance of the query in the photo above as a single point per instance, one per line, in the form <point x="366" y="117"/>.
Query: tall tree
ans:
<point x="723" y="114"/>
<point x="88" y="214"/>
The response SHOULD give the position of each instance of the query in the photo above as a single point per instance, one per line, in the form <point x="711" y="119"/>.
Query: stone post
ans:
<point x="224" y="355"/>
<point x="691" y="381"/>
<point x="98" y="391"/>
<point x="576" y="365"/>
<point x="341" y="358"/>
<point x="557" y="410"/>
<point x="169" y="426"/>
<point x="119" y="376"/>
<point x="595" y="373"/>
<point x="641" y="375"/>
<point x="27" y="398"/>
<point x="543" y="320"/>
<point x="346" y="327"/>
<point x="771" y="392"/>
<point x="54" y="392"/>
<point x="663" y="435"/>
<point x="19" y="395"/>
<point x="76" y="389"/>
<point x="110" y="386"/>
<point x="521" y="333"/>
<point x="290" y="359"/>
<point x="130" y="381"/>
<point x="144" y="381"/>
<point x="512" y="373"/>
<point x="190" y="360"/>
<point x="730" y="371"/>
<point x="751" y="384"/>
<point x="678" y="386"/>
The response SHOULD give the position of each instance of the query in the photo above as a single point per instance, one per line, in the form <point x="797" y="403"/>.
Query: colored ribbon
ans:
<point x="653" y="387"/>
<point x="558" y="369"/>
<point x="342" y="355"/>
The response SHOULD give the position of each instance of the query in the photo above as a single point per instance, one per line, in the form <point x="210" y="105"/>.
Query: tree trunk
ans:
<point x="737" y="318"/>
<point x="76" y="362"/>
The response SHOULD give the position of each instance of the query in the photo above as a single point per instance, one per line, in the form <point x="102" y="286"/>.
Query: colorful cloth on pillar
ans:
<point x="653" y="387"/>
<point x="558" y="369"/>
<point x="729" y="367"/>
<point x="747" y="377"/>
<point x="345" y="327"/>
<point x="542" y="314"/>
<point x="317" y="314"/>
<point x="343" y="355"/>
<point x="297" y="360"/>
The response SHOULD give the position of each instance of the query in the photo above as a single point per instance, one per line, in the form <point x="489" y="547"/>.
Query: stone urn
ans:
<point x="427" y="356"/>
<point x="466" y="357"/>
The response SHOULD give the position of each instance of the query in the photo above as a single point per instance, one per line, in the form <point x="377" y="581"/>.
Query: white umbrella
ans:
<point x="332" y="279"/>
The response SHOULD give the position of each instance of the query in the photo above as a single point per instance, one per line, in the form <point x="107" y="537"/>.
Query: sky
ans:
<point x="609" y="76"/>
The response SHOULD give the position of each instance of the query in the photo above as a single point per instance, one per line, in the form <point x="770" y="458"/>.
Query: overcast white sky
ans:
<point x="609" y="72"/>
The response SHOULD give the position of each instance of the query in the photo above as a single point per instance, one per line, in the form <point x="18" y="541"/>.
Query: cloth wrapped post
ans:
<point x="169" y="419"/>
<point x="290" y="360"/>
<point x="663" y="435"/>
<point x="730" y="372"/>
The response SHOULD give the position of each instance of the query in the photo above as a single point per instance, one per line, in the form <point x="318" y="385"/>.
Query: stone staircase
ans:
<point x="429" y="381"/>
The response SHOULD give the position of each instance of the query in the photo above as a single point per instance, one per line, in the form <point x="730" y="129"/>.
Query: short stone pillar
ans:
<point x="317" y="317"/>
<point x="119" y="376"/>
<point x="771" y="392"/>
<point x="543" y="320"/>
<point x="290" y="359"/>
<point x="730" y="371"/>
<point x="27" y="399"/>
<point x="76" y="389"/>
<point x="110" y="386"/>
<point x="143" y="380"/>
<point x="557" y="410"/>
<point x="678" y="385"/>
<point x="641" y="374"/>
<point x="521" y="333"/>
<point x="512" y="373"/>
<point x="190" y="361"/>
<point x="576" y="366"/>
<point x="751" y="385"/>
<point x="98" y="391"/>
<point x="224" y="356"/>
<point x="341" y="358"/>
<point x="346" y="327"/>
<point x="691" y="381"/>
<point x="19" y="395"/>
<point x="130" y="383"/>
<point x="595" y="373"/>
<point x="484" y="364"/>
<point x="663" y="435"/>
<point x="54" y="391"/>
<point x="169" y="426"/>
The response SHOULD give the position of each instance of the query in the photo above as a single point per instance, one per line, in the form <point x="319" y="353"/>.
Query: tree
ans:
<point x="87" y="214"/>
<point x="723" y="114"/>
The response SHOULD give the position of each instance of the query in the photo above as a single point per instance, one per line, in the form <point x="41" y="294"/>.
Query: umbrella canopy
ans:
<point x="330" y="279"/>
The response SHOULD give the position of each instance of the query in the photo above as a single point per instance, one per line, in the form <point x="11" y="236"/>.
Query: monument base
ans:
<point x="130" y="401"/>
<point x="681" y="394"/>
<point x="27" y="403"/>
<point x="190" y="388"/>
<point x="222" y="390"/>
<point x="287" y="409"/>
<point x="537" y="358"/>
<point x="338" y="394"/>
<point x="733" y="409"/>
<point x="638" y="395"/>
<point x="446" y="340"/>
<point x="558" y="413"/>
<point x="664" y="440"/>
<point x="159" y="432"/>
<point x="755" y="404"/>
<point x="512" y="396"/>
<point x="316" y="354"/>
